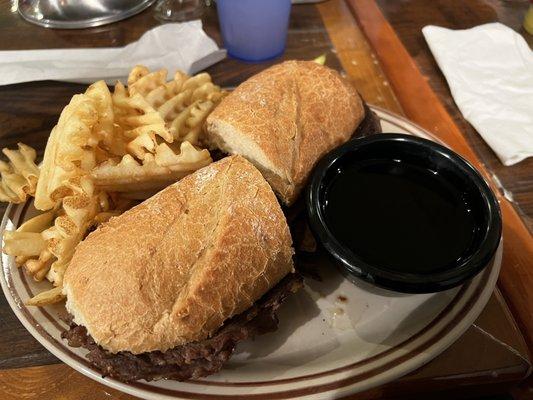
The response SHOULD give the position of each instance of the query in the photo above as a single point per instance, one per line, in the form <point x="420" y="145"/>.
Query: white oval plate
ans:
<point x="324" y="347"/>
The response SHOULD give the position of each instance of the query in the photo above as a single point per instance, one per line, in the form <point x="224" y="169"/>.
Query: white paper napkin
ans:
<point x="490" y="72"/>
<point x="183" y="46"/>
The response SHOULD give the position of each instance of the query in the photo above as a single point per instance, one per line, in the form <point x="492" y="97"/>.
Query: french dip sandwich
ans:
<point x="167" y="289"/>
<point x="285" y="119"/>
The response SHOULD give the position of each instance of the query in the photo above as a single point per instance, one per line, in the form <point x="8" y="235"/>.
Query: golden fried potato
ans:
<point x="51" y="296"/>
<point x="28" y="245"/>
<point x="38" y="223"/>
<point x="25" y="244"/>
<point x="69" y="229"/>
<point x="19" y="176"/>
<point x="105" y="147"/>
<point x="138" y="122"/>
<point x="68" y="152"/>
<point x="177" y="99"/>
<point x="157" y="170"/>
<point x="142" y="81"/>
<point x="108" y="140"/>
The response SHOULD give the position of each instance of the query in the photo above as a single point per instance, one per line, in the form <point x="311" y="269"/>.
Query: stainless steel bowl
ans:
<point x="76" y="14"/>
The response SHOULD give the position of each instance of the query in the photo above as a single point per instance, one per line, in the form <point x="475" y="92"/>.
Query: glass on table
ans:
<point x="254" y="30"/>
<point x="179" y="10"/>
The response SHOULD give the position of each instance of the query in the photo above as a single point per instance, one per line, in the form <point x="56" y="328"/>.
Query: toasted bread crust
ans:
<point x="292" y="114"/>
<point x="173" y="269"/>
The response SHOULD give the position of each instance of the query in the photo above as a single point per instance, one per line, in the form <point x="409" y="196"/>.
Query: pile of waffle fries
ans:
<point x="106" y="150"/>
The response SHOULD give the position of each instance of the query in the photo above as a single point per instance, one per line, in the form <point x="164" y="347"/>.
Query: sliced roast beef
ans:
<point x="192" y="360"/>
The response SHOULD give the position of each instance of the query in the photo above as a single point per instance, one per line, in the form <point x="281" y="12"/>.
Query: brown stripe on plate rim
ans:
<point x="24" y="280"/>
<point x="23" y="308"/>
<point x="332" y="385"/>
<point x="66" y="349"/>
<point x="357" y="364"/>
<point x="315" y="389"/>
<point x="361" y="363"/>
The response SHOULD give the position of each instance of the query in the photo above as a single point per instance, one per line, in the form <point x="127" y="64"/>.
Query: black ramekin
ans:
<point x="427" y="154"/>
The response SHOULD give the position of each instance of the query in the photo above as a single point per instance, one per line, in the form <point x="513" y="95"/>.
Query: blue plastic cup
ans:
<point x="254" y="30"/>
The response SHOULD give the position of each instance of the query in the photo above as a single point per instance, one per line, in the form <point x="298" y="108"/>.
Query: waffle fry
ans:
<point x="174" y="100"/>
<point x="105" y="147"/>
<point x="142" y="81"/>
<point x="138" y="122"/>
<point x="68" y="151"/>
<point x="156" y="171"/>
<point x="51" y="296"/>
<point x="28" y="245"/>
<point x="24" y="244"/>
<point x="27" y="241"/>
<point x="69" y="229"/>
<point x="190" y="126"/>
<point x="38" y="223"/>
<point x="19" y="176"/>
<point x="110" y="143"/>
<point x="66" y="188"/>
<point x="151" y="115"/>
<point x="44" y="245"/>
<point x="39" y="267"/>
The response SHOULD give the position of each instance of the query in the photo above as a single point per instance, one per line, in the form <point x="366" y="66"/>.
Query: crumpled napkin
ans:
<point x="489" y="69"/>
<point x="183" y="46"/>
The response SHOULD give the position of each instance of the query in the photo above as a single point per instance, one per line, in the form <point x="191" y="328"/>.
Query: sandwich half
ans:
<point x="167" y="289"/>
<point x="284" y="120"/>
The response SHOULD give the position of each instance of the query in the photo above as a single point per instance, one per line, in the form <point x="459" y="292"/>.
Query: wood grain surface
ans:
<point x="493" y="347"/>
<point x="357" y="57"/>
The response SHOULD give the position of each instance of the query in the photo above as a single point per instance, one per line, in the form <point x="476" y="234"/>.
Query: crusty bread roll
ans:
<point x="284" y="119"/>
<point x="174" y="268"/>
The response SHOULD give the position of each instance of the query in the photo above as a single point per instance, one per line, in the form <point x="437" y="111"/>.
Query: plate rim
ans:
<point x="340" y="374"/>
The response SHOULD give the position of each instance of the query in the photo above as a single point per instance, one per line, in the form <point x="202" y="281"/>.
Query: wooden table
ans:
<point x="408" y="18"/>
<point x="492" y="355"/>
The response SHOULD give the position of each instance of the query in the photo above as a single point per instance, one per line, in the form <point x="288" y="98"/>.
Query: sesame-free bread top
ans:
<point x="284" y="120"/>
<point x="172" y="269"/>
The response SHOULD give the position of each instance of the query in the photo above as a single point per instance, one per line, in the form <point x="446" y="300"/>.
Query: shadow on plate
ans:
<point x="293" y="314"/>
<point x="391" y="328"/>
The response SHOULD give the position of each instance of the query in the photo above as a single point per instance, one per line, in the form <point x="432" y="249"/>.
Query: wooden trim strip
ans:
<point x="356" y="56"/>
<point x="423" y="106"/>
